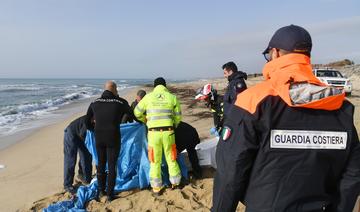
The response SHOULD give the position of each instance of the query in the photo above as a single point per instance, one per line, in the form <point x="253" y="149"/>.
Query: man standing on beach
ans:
<point x="235" y="86"/>
<point x="74" y="138"/>
<point x="288" y="143"/>
<point x="161" y="112"/>
<point x="107" y="112"/>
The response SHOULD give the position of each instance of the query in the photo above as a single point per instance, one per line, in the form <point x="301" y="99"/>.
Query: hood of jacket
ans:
<point x="237" y="75"/>
<point x="286" y="72"/>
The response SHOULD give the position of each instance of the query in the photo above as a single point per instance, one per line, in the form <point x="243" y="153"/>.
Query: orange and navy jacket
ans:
<point x="274" y="155"/>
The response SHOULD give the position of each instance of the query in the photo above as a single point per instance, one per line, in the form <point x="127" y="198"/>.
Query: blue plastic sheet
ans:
<point x="132" y="171"/>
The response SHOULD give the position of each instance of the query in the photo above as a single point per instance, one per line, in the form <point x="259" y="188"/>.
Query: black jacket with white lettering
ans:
<point x="288" y="178"/>
<point x="108" y="112"/>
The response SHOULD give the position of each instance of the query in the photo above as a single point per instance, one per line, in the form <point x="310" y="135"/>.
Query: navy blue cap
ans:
<point x="291" y="38"/>
<point x="159" y="81"/>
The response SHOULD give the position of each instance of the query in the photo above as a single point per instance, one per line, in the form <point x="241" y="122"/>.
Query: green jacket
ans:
<point x="159" y="108"/>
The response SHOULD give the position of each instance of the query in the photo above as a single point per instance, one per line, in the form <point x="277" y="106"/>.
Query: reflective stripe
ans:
<point x="158" y="111"/>
<point x="139" y="109"/>
<point x="156" y="182"/>
<point x="152" y="118"/>
<point x="175" y="180"/>
<point x="177" y="113"/>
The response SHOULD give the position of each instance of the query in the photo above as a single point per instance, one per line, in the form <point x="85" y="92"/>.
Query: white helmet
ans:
<point x="206" y="92"/>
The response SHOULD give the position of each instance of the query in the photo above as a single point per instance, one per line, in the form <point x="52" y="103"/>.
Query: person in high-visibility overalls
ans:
<point x="161" y="112"/>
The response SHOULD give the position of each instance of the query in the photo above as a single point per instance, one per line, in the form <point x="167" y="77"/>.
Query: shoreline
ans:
<point x="54" y="117"/>
<point x="33" y="165"/>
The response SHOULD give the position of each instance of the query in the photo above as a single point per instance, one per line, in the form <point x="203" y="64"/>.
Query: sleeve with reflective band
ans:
<point x="140" y="110"/>
<point x="177" y="112"/>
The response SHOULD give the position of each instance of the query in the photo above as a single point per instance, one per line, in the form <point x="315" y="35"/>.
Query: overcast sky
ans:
<point x="174" y="39"/>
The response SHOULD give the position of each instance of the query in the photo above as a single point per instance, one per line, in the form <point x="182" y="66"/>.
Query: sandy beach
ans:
<point x="33" y="176"/>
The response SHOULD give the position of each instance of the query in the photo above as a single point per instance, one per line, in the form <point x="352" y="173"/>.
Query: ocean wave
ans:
<point x="15" y="113"/>
<point x="22" y="102"/>
<point x="18" y="88"/>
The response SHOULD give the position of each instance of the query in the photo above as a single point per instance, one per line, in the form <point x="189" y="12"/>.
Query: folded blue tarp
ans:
<point x="132" y="171"/>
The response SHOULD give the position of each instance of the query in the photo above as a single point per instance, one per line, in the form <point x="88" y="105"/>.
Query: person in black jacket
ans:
<point x="213" y="100"/>
<point x="74" y="137"/>
<point x="235" y="86"/>
<point x="186" y="137"/>
<point x="107" y="112"/>
<point x="289" y="143"/>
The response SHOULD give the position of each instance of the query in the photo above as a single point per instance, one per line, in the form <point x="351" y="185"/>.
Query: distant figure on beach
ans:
<point x="213" y="100"/>
<point x="186" y="137"/>
<point x="161" y="112"/>
<point x="236" y="84"/>
<point x="107" y="112"/>
<point x="289" y="143"/>
<point x="139" y="95"/>
<point x="74" y="138"/>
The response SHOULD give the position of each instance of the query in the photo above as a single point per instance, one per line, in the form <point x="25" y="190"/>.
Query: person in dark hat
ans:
<point x="289" y="143"/>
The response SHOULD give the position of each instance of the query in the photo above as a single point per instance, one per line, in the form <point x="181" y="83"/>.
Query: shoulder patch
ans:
<point x="226" y="133"/>
<point x="239" y="85"/>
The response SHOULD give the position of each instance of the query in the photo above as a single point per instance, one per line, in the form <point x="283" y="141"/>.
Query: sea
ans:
<point x="24" y="102"/>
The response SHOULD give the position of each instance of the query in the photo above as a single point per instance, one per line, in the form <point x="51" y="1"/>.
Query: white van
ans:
<point x="334" y="78"/>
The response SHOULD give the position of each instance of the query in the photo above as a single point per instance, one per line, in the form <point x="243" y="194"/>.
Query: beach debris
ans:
<point x="2" y="166"/>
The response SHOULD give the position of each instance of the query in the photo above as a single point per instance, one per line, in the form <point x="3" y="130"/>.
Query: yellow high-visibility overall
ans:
<point x="161" y="112"/>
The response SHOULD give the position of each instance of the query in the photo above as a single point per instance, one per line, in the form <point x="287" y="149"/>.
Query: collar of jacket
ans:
<point x="237" y="75"/>
<point x="108" y="95"/>
<point x="296" y="68"/>
<point x="160" y="88"/>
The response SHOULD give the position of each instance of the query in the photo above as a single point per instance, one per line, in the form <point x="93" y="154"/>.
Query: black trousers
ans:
<point x="107" y="149"/>
<point x="193" y="158"/>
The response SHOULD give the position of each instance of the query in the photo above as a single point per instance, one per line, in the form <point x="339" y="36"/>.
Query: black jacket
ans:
<point x="236" y="85"/>
<point x="108" y="111"/>
<point x="78" y="127"/>
<point x="288" y="154"/>
<point x="186" y="136"/>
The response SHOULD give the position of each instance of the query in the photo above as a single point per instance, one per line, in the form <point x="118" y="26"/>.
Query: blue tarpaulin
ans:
<point x="132" y="171"/>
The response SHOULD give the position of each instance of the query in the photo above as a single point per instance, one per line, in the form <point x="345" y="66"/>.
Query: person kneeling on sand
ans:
<point x="74" y="137"/>
<point x="108" y="112"/>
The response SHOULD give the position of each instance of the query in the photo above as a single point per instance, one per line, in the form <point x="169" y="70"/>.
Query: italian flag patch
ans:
<point x="225" y="133"/>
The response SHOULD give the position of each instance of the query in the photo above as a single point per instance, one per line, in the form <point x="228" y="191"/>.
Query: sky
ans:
<point x="173" y="39"/>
